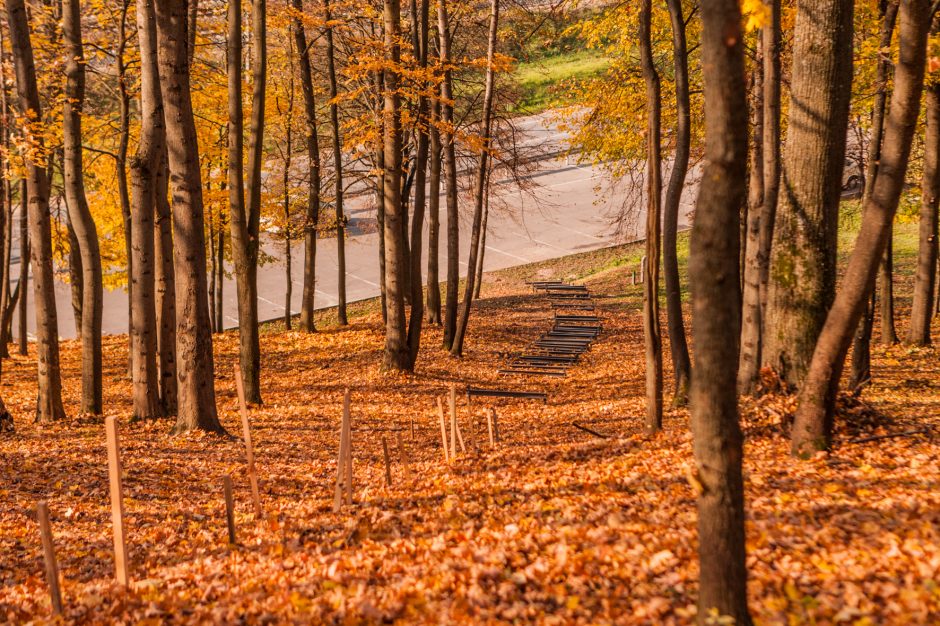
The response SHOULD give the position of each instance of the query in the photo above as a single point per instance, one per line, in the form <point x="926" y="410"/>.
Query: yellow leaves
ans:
<point x="756" y="14"/>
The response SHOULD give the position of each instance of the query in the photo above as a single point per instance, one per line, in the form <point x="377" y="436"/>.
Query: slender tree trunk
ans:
<point x="80" y="216"/>
<point x="165" y="281"/>
<point x="652" y="338"/>
<point x="24" y="266"/>
<point x="889" y="334"/>
<point x="191" y="31"/>
<point x="812" y="426"/>
<point x="803" y="258"/>
<point x="144" y="167"/>
<point x="210" y="227"/>
<point x="681" y="364"/>
<point x="49" y="402"/>
<point x="397" y="354"/>
<point x="478" y="281"/>
<point x="450" y="179"/>
<point x="480" y="183"/>
<point x="220" y="278"/>
<point x="860" y="375"/>
<point x="380" y="188"/>
<point x="286" y="182"/>
<point x="195" y="370"/>
<point x="75" y="276"/>
<point x="8" y="302"/>
<point x="313" y="158"/>
<point x="925" y="278"/>
<point x="120" y="166"/>
<point x="338" y="171"/>
<point x="434" y="218"/>
<point x="770" y="46"/>
<point x="713" y="276"/>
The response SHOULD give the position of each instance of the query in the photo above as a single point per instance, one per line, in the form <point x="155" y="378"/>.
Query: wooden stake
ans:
<point x="347" y="417"/>
<point x="340" y="466"/>
<point x="117" y="501"/>
<point x="495" y="425"/>
<point x="453" y="421"/>
<point x="48" y="551"/>
<point x="412" y="427"/>
<point x="440" y="412"/>
<point x="463" y="448"/>
<point x="489" y="427"/>
<point x="388" y="463"/>
<point x="229" y="507"/>
<point x="404" y="457"/>
<point x="249" y="448"/>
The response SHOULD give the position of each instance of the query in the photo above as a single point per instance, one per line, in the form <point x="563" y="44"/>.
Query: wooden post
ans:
<point x="347" y="417"/>
<point x="440" y="412"/>
<point x="495" y="424"/>
<point x="48" y="552"/>
<point x="489" y="428"/>
<point x="453" y="421"/>
<point x="340" y="466"/>
<point x="229" y="507"/>
<point x="249" y="448"/>
<point x="388" y="463"/>
<point x="117" y="501"/>
<point x="463" y="448"/>
<point x="404" y="457"/>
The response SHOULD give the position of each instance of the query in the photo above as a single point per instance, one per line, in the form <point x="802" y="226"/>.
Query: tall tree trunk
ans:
<point x="288" y="140"/>
<point x="770" y="152"/>
<point x="448" y="141"/>
<point x="144" y="168"/>
<point x="681" y="364"/>
<point x="379" y="163"/>
<point x="6" y="300"/>
<point x="812" y="426"/>
<point x="925" y="279"/>
<point x="75" y="276"/>
<point x="803" y="258"/>
<point x="120" y="166"/>
<point x="479" y="186"/>
<point x="191" y="31"/>
<point x="338" y="171"/>
<point x="79" y="215"/>
<point x="860" y="373"/>
<point x="307" y="308"/>
<point x="49" y="402"/>
<point x="397" y="354"/>
<point x="434" y="218"/>
<point x="22" y="340"/>
<point x="713" y="276"/>
<point x="652" y="338"/>
<point x="195" y="369"/>
<point x="889" y="334"/>
<point x="219" y="294"/>
<point x="478" y="281"/>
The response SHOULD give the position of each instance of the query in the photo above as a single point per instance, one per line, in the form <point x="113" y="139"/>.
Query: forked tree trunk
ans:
<point x="652" y="339"/>
<point x="803" y="258"/>
<point x="450" y="178"/>
<point x="925" y="278"/>
<point x="307" y="308"/>
<point x="812" y="426"/>
<point x="195" y="368"/>
<point x="338" y="171"/>
<point x="144" y="191"/>
<point x="678" y="346"/>
<point x="479" y="186"/>
<point x="713" y="276"/>
<point x="397" y="355"/>
<point x="434" y="218"/>
<point x="49" y="402"/>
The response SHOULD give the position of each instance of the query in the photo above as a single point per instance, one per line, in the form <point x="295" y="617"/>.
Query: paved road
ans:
<point x="561" y="213"/>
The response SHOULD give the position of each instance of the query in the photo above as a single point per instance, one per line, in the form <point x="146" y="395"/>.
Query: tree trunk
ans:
<point x="165" y="282"/>
<point x="812" y="426"/>
<point x="288" y="137"/>
<point x="679" y="349"/>
<point x="652" y="338"/>
<point x="338" y="172"/>
<point x="191" y="31"/>
<point x="770" y="152"/>
<point x="144" y="168"/>
<point x="713" y="276"/>
<point x="860" y="376"/>
<point x="803" y="258"/>
<point x="380" y="188"/>
<point x="450" y="178"/>
<point x="120" y="166"/>
<point x="80" y="216"/>
<point x="307" y="308"/>
<point x="925" y="279"/>
<point x="49" y="402"/>
<point x="889" y="335"/>
<point x="195" y="369"/>
<point x="397" y="354"/>
<point x="434" y="218"/>
<point x="480" y="183"/>
<point x="75" y="276"/>
<point x="220" y="278"/>
<point x="24" y="265"/>
<point x="6" y="300"/>
<point x="478" y="281"/>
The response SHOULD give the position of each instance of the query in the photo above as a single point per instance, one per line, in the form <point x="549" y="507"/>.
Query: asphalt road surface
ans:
<point x="563" y="210"/>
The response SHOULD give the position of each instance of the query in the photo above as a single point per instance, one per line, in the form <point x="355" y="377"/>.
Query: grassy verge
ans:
<point x="543" y="83"/>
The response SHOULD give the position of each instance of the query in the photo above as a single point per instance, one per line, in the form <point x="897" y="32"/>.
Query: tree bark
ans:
<point x="450" y="178"/>
<point x="120" y="166"/>
<point x="652" y="338"/>
<point x="713" y="275"/>
<point x="679" y="349"/>
<point x="478" y="281"/>
<point x="770" y="152"/>
<point x="803" y="258"/>
<point x="22" y="340"/>
<point x="479" y="186"/>
<point x="338" y="171"/>
<point x="165" y="282"/>
<point x="434" y="218"/>
<point x="307" y="308"/>
<point x="889" y="335"/>
<point x="144" y="167"/>
<point x="49" y="402"/>
<point x="925" y="278"/>
<point x="195" y="369"/>
<point x="812" y="426"/>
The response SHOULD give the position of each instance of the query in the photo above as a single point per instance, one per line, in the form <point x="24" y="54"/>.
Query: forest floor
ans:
<point x="553" y="526"/>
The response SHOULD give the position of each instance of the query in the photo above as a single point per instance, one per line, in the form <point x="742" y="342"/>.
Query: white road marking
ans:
<point x="509" y="254"/>
<point x="368" y="282"/>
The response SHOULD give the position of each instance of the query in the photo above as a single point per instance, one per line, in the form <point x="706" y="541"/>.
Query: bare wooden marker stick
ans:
<point x="440" y="412"/>
<point x="48" y="552"/>
<point x="117" y="501"/>
<point x="404" y="457"/>
<point x="249" y="448"/>
<point x="229" y="507"/>
<point x="388" y="463"/>
<point x="349" y="467"/>
<point x="340" y="467"/>
<point x="489" y="428"/>
<point x="495" y="424"/>
<point x="453" y="421"/>
<point x="463" y="448"/>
